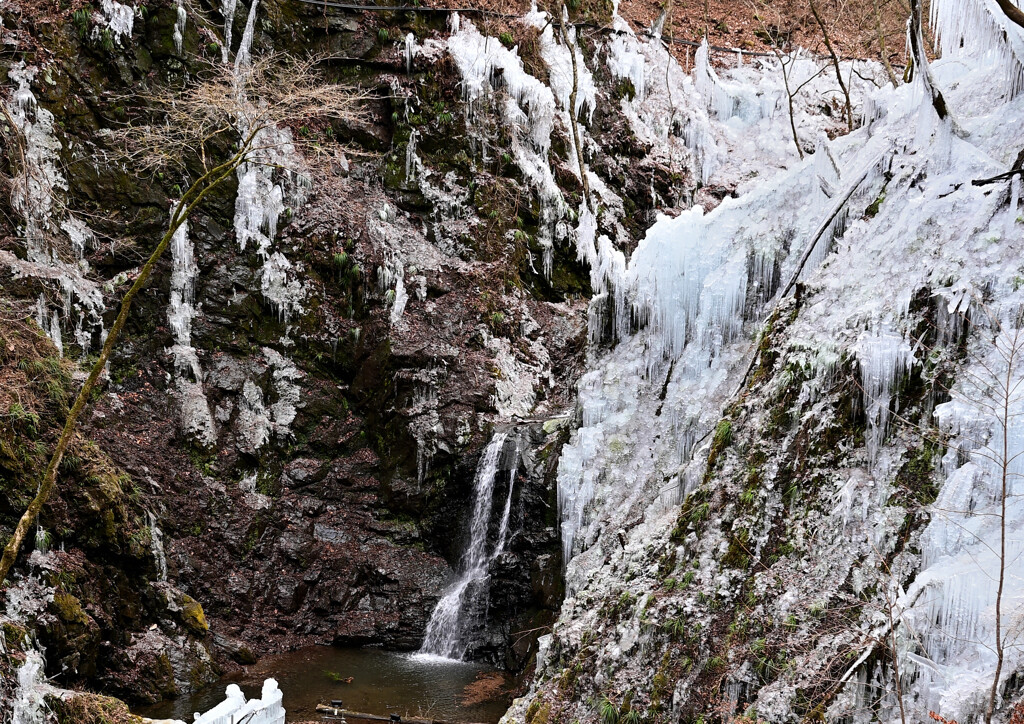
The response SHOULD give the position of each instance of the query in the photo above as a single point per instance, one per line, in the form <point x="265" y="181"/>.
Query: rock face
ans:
<point x="283" y="449"/>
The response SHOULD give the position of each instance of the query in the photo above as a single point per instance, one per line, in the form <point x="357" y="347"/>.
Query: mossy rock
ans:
<point x="14" y="635"/>
<point x="71" y="707"/>
<point x="69" y="609"/>
<point x="193" y="617"/>
<point x="539" y="712"/>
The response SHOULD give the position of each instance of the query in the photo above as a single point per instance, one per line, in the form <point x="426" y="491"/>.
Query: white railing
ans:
<point x="236" y="710"/>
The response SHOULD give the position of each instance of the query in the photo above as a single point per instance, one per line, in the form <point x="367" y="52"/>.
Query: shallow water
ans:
<point x="383" y="682"/>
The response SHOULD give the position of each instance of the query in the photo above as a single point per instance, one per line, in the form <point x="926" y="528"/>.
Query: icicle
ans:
<point x="243" y="57"/>
<point x="227" y="9"/>
<point x="411" y="162"/>
<point x="42" y="540"/>
<point x="884" y="357"/>
<point x="410" y="50"/>
<point x="978" y="29"/>
<point x="55" y="334"/>
<point x="282" y="291"/>
<point x="179" y="26"/>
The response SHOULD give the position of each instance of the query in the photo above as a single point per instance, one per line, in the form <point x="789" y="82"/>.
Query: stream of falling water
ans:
<point x="449" y="630"/>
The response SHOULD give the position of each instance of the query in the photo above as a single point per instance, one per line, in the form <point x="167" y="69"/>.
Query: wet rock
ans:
<point x="232" y="648"/>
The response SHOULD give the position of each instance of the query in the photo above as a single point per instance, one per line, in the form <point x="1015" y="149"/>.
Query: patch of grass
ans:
<point x="607" y="710"/>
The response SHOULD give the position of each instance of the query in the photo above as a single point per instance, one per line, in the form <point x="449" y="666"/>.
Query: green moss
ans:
<point x="719" y="441"/>
<point x="624" y="89"/>
<point x="538" y="712"/>
<point x="69" y="608"/>
<point x="660" y="690"/>
<point x="193" y="616"/>
<point x="14" y="635"/>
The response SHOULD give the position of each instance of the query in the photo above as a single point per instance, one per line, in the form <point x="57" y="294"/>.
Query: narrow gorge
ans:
<point x="612" y="362"/>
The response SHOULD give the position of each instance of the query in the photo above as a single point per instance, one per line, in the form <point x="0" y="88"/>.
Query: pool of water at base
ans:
<point x="382" y="682"/>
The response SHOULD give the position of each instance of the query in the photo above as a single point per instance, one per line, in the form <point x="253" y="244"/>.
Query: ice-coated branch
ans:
<point x="1017" y="168"/>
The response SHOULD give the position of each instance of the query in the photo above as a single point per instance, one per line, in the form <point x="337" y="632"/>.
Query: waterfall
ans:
<point x="448" y="632"/>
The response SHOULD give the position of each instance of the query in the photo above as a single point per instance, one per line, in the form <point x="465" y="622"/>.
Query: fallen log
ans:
<point x="338" y="711"/>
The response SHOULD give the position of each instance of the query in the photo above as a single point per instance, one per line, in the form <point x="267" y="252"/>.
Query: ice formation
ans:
<point x="227" y="9"/>
<point x="117" y="18"/>
<point x="450" y="628"/>
<point x="28" y="706"/>
<point x="27" y="599"/>
<point x="196" y="419"/>
<point x="979" y="29"/>
<point x="884" y="358"/>
<point x="281" y="287"/>
<point x="952" y="602"/>
<point x="33" y="192"/>
<point x="262" y="191"/>
<point x="494" y="74"/>
<point x="258" y="420"/>
<point x="36" y="196"/>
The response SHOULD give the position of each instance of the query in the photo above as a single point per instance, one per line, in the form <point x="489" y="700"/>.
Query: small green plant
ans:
<point x="70" y="463"/>
<point x="700" y="512"/>
<point x="55" y="391"/>
<point x="675" y="627"/>
<point x="23" y="418"/>
<point x="723" y="434"/>
<point x="607" y="710"/>
<point x="81" y="21"/>
<point x="107" y="40"/>
<point x="383" y="35"/>
<point x="630" y="717"/>
<point x="506" y="39"/>
<point x="715" y="663"/>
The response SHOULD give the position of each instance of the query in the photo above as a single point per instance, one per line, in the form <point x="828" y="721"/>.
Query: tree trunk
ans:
<point x="1012" y="11"/>
<point x="192" y="197"/>
<point x="881" y="46"/>
<point x="835" y="63"/>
